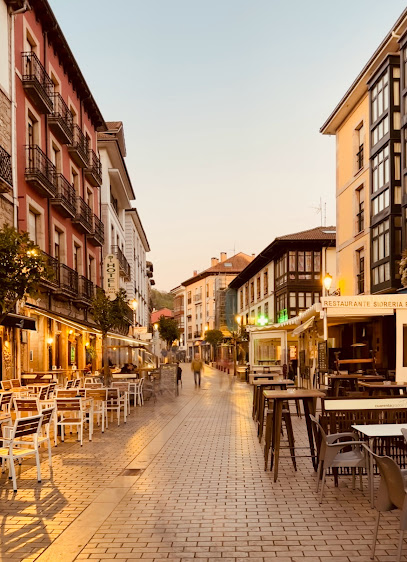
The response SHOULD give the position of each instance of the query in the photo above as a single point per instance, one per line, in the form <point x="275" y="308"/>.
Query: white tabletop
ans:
<point x="381" y="430"/>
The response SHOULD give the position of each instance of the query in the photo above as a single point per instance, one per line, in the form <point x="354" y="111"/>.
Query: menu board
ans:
<point x="323" y="356"/>
<point x="168" y="375"/>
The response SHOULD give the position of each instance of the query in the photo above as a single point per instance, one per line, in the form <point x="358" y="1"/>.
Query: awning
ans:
<point x="302" y="327"/>
<point x="19" y="321"/>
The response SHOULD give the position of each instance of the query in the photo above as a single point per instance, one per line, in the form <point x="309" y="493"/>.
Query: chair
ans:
<point x="125" y="387"/>
<point x="139" y="392"/>
<point x="15" y="383"/>
<point x="331" y="455"/>
<point x="72" y="413"/>
<point x="13" y="450"/>
<point x="29" y="406"/>
<point x="115" y="402"/>
<point x="47" y="415"/>
<point x="391" y="495"/>
<point x="93" y="385"/>
<point x="69" y="384"/>
<point x="99" y="397"/>
<point x="76" y="383"/>
<point x="5" y="403"/>
<point x="51" y="390"/>
<point x="66" y="393"/>
<point x="6" y="385"/>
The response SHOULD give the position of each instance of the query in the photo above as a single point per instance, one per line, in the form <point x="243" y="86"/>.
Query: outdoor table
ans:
<point x="387" y="387"/>
<point x="258" y="386"/>
<point x="262" y="376"/>
<point x="308" y="397"/>
<point x="373" y="431"/>
<point x="280" y="384"/>
<point x="337" y="379"/>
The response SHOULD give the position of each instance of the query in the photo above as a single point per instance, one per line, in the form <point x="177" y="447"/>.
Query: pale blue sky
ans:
<point x="222" y="101"/>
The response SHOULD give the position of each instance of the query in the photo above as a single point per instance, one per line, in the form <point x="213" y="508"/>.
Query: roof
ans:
<point x="57" y="39"/>
<point x="156" y="314"/>
<point x="230" y="266"/>
<point x="359" y="86"/>
<point x="321" y="236"/>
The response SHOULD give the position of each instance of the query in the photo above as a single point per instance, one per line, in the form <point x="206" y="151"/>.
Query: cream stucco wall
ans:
<point x="348" y="180"/>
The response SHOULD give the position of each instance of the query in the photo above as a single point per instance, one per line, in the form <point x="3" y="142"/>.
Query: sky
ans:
<point x="222" y="102"/>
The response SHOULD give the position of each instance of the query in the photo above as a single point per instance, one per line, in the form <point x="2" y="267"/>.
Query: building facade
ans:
<point x="203" y="298"/>
<point x="286" y="277"/>
<point x="125" y="238"/>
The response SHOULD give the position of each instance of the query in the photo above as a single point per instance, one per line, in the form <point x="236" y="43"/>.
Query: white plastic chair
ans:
<point x="139" y="399"/>
<point x="125" y="388"/>
<point x="72" y="413"/>
<point x="99" y="397"/>
<point x="18" y="447"/>
<point x="116" y="400"/>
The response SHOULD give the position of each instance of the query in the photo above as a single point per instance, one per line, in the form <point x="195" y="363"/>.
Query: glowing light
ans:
<point x="134" y="304"/>
<point x="238" y="318"/>
<point x="155" y="326"/>
<point x="327" y="281"/>
<point x="50" y="341"/>
<point x="87" y="344"/>
<point x="262" y="320"/>
<point x="70" y="332"/>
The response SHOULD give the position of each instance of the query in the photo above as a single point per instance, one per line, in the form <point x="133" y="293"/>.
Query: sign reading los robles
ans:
<point x="366" y="302"/>
<point x="111" y="282"/>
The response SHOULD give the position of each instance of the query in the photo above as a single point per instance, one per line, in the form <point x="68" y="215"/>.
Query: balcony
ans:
<point x="40" y="172"/>
<point x="37" y="84"/>
<point x="6" y="175"/>
<point x="198" y="298"/>
<point x="86" y="290"/>
<point x="93" y="173"/>
<point x="65" y="197"/>
<point x="60" y="120"/>
<point x="197" y="335"/>
<point x="124" y="265"/>
<point x="83" y="219"/>
<point x="78" y="149"/>
<point x="68" y="283"/>
<point x="51" y="281"/>
<point x="97" y="236"/>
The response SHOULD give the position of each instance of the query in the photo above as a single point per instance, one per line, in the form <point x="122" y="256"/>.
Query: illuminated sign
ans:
<point x="262" y="320"/>
<point x="282" y="316"/>
<point x="111" y="279"/>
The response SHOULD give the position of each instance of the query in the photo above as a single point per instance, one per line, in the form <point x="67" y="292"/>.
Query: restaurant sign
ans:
<point x="388" y="403"/>
<point x="111" y="276"/>
<point x="366" y="302"/>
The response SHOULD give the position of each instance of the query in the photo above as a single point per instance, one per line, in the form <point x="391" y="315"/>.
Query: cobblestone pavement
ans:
<point x="184" y="478"/>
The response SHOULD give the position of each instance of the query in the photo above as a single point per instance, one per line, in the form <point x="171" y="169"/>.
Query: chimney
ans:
<point x="223" y="256"/>
<point x="195" y="273"/>
<point x="253" y="256"/>
<point x="214" y="261"/>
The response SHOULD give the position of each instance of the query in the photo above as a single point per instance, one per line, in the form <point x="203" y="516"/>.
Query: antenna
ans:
<point x="321" y="210"/>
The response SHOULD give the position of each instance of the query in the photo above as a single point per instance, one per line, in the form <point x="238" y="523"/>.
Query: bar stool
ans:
<point x="290" y="434"/>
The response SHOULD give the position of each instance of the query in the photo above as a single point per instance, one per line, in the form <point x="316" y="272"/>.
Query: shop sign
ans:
<point x="366" y="302"/>
<point x="140" y="330"/>
<point x="366" y="404"/>
<point x="323" y="356"/>
<point x="111" y="280"/>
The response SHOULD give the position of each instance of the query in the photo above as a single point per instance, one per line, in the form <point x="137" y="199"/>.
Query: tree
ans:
<point x="161" y="299"/>
<point x="214" y="337"/>
<point x="168" y="330"/>
<point x="403" y="269"/>
<point x="109" y="315"/>
<point x="22" y="268"/>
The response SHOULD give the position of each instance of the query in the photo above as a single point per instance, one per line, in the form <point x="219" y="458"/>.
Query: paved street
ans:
<point x="184" y="479"/>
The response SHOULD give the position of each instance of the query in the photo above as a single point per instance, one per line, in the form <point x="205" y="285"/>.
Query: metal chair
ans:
<point x="6" y="385"/>
<point x="391" y="495"/>
<point x="331" y="455"/>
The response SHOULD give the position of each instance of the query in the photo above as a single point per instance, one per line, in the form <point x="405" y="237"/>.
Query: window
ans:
<point x="281" y="270"/>
<point x="75" y="180"/>
<point x="89" y="201"/>
<point x="207" y="291"/>
<point x="77" y="258"/>
<point x="380" y="97"/>
<point x="241" y="299"/>
<point x="189" y="297"/>
<point x="33" y="225"/>
<point x="360" y="139"/>
<point x="293" y="300"/>
<point x="56" y="156"/>
<point x="258" y="311"/>
<point x="91" y="268"/>
<point x="360" y="216"/>
<point x="360" y="264"/>
<point x="380" y="202"/>
<point x="381" y="129"/>
<point x="266" y="309"/>
<point x="252" y="291"/>
<point x="381" y="241"/>
<point x="258" y="288"/>
<point x="304" y="260"/>
<point x="113" y="201"/>
<point x="266" y="282"/>
<point x="381" y="169"/>
<point x="57" y="244"/>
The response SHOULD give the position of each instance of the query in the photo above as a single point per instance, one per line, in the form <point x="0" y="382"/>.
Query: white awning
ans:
<point x="302" y="327"/>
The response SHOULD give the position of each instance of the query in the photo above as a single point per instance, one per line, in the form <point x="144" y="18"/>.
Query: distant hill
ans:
<point x="161" y="299"/>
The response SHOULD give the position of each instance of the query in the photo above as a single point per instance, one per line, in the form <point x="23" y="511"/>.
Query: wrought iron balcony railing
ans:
<point x="93" y="172"/>
<point x="97" y="236"/>
<point x="60" y="120"/>
<point x="65" y="197"/>
<point x="40" y="172"/>
<point x="6" y="175"/>
<point x="36" y="82"/>
<point x="68" y="280"/>
<point x="83" y="217"/>
<point x="51" y="279"/>
<point x="86" y="289"/>
<point x="78" y="149"/>
<point x="123" y="263"/>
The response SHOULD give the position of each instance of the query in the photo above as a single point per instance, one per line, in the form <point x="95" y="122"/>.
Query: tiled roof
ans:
<point x="156" y="314"/>
<point x="318" y="233"/>
<point x="320" y="236"/>
<point x="114" y="125"/>
<point x="235" y="264"/>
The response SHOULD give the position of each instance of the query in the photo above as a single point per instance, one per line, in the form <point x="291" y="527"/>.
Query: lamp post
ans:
<point x="238" y="319"/>
<point x="134" y="305"/>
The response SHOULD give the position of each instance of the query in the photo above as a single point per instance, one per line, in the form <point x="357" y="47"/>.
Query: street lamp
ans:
<point x="134" y="305"/>
<point x="327" y="282"/>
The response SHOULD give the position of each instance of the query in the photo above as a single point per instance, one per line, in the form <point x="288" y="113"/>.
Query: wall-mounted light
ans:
<point x="50" y="341"/>
<point x="87" y="344"/>
<point x="70" y="332"/>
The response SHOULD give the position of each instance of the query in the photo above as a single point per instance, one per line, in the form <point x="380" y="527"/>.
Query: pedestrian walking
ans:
<point x="196" y="367"/>
<point x="179" y="375"/>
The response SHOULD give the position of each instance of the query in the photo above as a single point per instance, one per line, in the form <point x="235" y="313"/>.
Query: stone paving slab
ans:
<point x="201" y="492"/>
